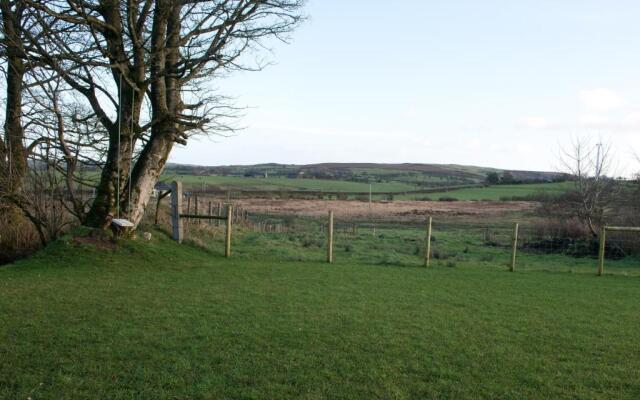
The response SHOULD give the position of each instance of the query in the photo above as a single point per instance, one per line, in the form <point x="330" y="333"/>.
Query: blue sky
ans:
<point x="491" y="83"/>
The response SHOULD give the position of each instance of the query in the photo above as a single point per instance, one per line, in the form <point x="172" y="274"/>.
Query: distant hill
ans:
<point x="427" y="175"/>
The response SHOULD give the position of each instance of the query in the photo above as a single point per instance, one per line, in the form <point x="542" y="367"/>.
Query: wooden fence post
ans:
<point x="330" y="238"/>
<point x="210" y="212"/>
<point x="195" y="208"/>
<point x="155" y="218"/>
<point x="427" y="250"/>
<point x="514" y="249"/>
<point x="227" y="240"/>
<point x="176" y="209"/>
<point x="601" y="252"/>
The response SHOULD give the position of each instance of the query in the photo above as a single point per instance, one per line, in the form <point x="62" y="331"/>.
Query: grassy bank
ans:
<point x="159" y="320"/>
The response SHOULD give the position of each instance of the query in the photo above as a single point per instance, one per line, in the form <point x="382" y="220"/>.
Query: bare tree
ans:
<point x="15" y="148"/>
<point x="34" y="131"/>
<point x="124" y="57"/>
<point x="69" y="142"/>
<point x="594" y="190"/>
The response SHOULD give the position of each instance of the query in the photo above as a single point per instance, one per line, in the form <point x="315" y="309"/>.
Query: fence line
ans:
<point x="177" y="217"/>
<point x="406" y="240"/>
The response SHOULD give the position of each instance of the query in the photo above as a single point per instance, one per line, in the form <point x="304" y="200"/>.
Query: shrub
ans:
<point x="310" y="242"/>
<point x="444" y="255"/>
<point x="486" y="257"/>
<point x="18" y="237"/>
<point x="388" y="259"/>
<point x="560" y="227"/>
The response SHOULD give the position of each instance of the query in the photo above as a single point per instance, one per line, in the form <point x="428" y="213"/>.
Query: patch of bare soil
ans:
<point x="97" y="238"/>
<point x="392" y="210"/>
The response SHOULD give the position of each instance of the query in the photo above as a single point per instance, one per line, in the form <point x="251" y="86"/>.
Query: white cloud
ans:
<point x="601" y="99"/>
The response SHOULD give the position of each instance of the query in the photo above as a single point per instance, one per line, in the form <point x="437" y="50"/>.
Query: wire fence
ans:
<point x="388" y="242"/>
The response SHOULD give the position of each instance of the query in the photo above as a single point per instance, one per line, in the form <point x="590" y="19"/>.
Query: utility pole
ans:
<point x="598" y="166"/>
<point x="369" y="195"/>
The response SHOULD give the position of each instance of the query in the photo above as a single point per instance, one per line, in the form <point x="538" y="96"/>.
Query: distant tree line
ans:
<point x="508" y="178"/>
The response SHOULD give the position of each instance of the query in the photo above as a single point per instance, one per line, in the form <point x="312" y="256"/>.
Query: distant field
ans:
<point x="499" y="192"/>
<point x="278" y="183"/>
<point x="424" y="175"/>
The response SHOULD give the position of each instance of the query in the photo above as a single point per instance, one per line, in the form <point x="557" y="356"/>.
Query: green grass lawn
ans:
<point x="499" y="192"/>
<point x="160" y="320"/>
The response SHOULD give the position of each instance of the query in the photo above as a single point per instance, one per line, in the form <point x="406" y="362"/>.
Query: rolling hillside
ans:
<point x="365" y="171"/>
<point x="346" y="177"/>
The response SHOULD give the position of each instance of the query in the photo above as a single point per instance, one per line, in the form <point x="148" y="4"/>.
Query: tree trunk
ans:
<point x="13" y="154"/>
<point x="166" y="103"/>
<point x="113" y="185"/>
<point x="112" y="192"/>
<point x="148" y="169"/>
<point x="113" y="181"/>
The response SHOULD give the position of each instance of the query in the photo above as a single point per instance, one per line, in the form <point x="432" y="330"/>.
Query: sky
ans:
<point x="492" y="83"/>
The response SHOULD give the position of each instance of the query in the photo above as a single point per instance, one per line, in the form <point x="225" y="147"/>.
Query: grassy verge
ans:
<point x="386" y="244"/>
